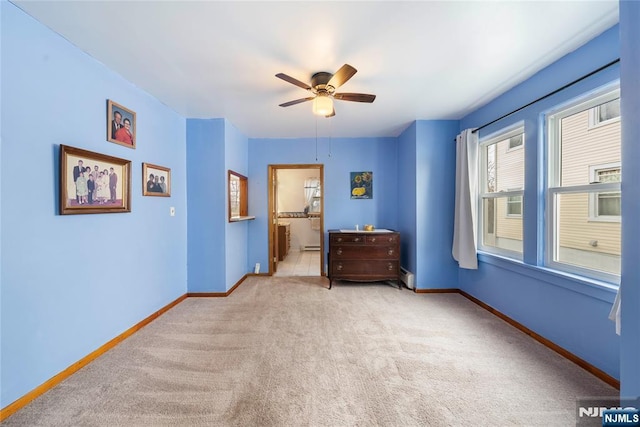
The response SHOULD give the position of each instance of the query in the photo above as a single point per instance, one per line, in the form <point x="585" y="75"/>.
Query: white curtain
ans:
<point x="310" y="187"/>
<point x="464" y="228"/>
<point x="615" y="310"/>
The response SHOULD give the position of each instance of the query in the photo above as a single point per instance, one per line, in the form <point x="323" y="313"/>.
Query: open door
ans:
<point x="273" y="219"/>
<point x="313" y="217"/>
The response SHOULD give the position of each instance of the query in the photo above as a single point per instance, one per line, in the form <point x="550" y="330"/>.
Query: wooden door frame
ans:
<point x="273" y="221"/>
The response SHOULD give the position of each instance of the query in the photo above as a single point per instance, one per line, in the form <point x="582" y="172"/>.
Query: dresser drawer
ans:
<point x="347" y="238"/>
<point x="342" y="252"/>
<point x="381" y="239"/>
<point x="356" y="270"/>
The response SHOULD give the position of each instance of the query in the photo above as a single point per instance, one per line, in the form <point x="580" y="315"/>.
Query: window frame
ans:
<point x="554" y="188"/>
<point x="491" y="139"/>
<point x="594" y="116"/>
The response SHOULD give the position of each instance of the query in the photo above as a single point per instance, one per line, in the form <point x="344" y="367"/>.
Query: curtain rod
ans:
<point x="549" y="94"/>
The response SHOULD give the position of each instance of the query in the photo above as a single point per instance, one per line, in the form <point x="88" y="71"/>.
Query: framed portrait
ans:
<point x="156" y="180"/>
<point x="93" y="182"/>
<point x="121" y="125"/>
<point x="362" y="185"/>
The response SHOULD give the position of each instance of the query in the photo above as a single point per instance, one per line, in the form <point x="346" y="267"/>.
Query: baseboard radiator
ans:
<point x="311" y="248"/>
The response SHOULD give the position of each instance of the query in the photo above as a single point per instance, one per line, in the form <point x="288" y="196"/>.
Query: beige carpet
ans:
<point x="289" y="352"/>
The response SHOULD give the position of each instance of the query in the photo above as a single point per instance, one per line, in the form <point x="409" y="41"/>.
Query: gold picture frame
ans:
<point x="83" y="193"/>
<point x="156" y="180"/>
<point x="121" y="124"/>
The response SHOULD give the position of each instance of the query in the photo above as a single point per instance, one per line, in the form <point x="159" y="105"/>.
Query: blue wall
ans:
<point x="568" y="311"/>
<point x="236" y="233"/>
<point x="71" y="283"/>
<point x="435" y="187"/>
<point x="426" y="188"/>
<point x="630" y="87"/>
<point x="340" y="156"/>
<point x="206" y="195"/>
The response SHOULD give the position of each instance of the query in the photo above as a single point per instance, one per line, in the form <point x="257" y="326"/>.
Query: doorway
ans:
<point x="296" y="220"/>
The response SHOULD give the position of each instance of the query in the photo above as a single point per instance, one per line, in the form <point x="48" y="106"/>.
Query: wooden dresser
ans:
<point x="364" y="256"/>
<point x="284" y="239"/>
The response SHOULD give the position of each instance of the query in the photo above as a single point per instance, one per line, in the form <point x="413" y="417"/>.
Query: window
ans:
<point x="514" y="206"/>
<point x="516" y="141"/>
<point x="501" y="190"/>
<point x="605" y="113"/>
<point x="583" y="196"/>
<point x="605" y="206"/>
<point x="238" y="197"/>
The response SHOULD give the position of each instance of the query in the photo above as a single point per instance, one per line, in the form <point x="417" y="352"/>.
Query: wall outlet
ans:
<point x="257" y="269"/>
<point x="172" y="211"/>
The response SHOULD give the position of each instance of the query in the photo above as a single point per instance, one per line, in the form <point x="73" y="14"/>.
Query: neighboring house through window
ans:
<point x="501" y="190"/>
<point x="584" y="198"/>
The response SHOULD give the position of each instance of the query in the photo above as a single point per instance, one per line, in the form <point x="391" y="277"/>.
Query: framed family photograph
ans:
<point x="156" y="180"/>
<point x="121" y="125"/>
<point x="93" y="182"/>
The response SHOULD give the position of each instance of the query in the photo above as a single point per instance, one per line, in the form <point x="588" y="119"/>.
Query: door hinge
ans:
<point x="274" y="259"/>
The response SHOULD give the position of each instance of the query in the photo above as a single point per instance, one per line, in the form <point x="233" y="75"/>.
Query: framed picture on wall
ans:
<point x="156" y="180"/>
<point x="93" y="182"/>
<point x="121" y="125"/>
<point x="362" y="185"/>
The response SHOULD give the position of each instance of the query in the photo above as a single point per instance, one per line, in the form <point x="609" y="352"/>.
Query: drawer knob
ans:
<point x="357" y="239"/>
<point x="390" y="239"/>
<point x="390" y="252"/>
<point x="373" y="239"/>
<point x="390" y="267"/>
<point x="339" y="267"/>
<point x="339" y="251"/>
<point x="339" y="239"/>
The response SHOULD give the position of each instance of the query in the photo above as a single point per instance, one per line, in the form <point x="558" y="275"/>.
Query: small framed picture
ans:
<point x="156" y="180"/>
<point x="121" y="125"/>
<point x="93" y="182"/>
<point x="362" y="185"/>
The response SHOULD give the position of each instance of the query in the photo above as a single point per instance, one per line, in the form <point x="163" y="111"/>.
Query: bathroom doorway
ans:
<point x="296" y="223"/>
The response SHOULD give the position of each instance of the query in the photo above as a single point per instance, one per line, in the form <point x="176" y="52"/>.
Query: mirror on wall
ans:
<point x="238" y="197"/>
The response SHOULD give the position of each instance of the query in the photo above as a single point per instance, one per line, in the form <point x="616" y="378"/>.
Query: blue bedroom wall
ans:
<point x="630" y="88"/>
<point x="407" y="197"/>
<point x="236" y="243"/>
<point x="435" y="189"/>
<point x="340" y="156"/>
<point x="426" y="184"/>
<point x="570" y="312"/>
<point x="206" y="195"/>
<point x="71" y="283"/>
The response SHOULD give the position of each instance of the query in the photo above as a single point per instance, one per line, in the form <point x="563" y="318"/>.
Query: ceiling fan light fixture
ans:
<point x="322" y="104"/>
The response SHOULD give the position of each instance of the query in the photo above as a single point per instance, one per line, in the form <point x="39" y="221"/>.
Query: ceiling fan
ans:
<point x="323" y="87"/>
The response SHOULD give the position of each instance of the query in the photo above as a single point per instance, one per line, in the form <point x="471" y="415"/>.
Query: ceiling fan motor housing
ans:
<point x="319" y="82"/>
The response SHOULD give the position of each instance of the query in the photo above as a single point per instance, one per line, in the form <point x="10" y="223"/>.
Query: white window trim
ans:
<point x="593" y="197"/>
<point x="553" y="120"/>
<point x="490" y="139"/>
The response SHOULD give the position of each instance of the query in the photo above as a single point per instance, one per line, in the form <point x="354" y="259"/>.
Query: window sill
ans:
<point x="241" y="218"/>
<point x="583" y="285"/>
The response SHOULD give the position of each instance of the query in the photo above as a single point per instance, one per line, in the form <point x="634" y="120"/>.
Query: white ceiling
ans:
<point x="423" y="60"/>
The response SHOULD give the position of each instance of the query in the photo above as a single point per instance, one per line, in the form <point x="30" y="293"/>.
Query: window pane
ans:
<point x="584" y="243"/>
<point x="582" y="146"/>
<point x="500" y="230"/>
<point x="609" y="110"/>
<point x="609" y="204"/>
<point x="514" y="205"/>
<point x="504" y="166"/>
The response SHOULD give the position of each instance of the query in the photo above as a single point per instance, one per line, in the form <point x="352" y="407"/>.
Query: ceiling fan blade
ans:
<point x="356" y="97"/>
<point x="333" y="113"/>
<point x="297" y="101"/>
<point x="293" y="81"/>
<point x="342" y="75"/>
